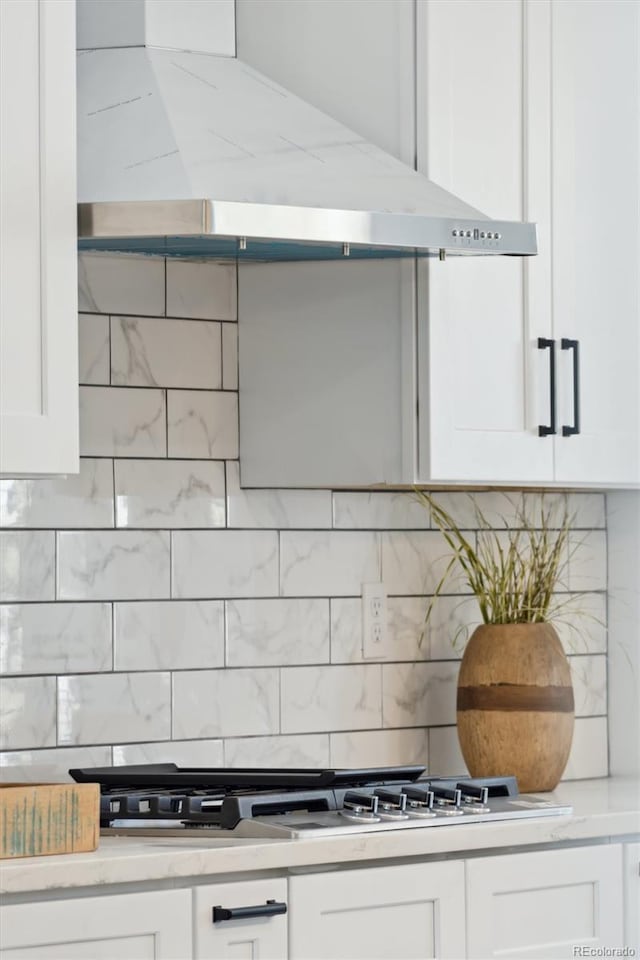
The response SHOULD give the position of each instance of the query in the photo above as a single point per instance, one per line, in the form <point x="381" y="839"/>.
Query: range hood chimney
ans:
<point x="184" y="150"/>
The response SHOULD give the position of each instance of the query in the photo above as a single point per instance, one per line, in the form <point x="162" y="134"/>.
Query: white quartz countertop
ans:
<point x="601" y="808"/>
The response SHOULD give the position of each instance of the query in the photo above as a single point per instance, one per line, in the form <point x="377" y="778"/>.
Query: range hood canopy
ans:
<point x="199" y="155"/>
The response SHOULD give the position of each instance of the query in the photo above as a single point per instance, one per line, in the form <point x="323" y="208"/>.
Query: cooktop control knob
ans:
<point x="474" y="799"/>
<point x="360" y="807"/>
<point x="391" y="804"/>
<point x="447" y="801"/>
<point x="419" y="801"/>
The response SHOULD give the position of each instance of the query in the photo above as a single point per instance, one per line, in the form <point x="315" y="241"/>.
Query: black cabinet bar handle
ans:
<point x="269" y="909"/>
<point x="550" y="345"/>
<point x="575" y="346"/>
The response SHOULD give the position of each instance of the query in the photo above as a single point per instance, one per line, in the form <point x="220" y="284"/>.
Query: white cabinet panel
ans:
<point x="253" y="938"/>
<point x="631" y="854"/>
<point x="481" y="133"/>
<point x="544" y="904"/>
<point x="136" y="926"/>
<point x="596" y="229"/>
<point x="374" y="914"/>
<point x="38" y="299"/>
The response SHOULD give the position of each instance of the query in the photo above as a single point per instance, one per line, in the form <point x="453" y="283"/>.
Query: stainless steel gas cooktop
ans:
<point x="164" y="799"/>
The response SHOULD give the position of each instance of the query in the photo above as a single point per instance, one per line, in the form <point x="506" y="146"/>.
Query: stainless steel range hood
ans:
<point x="198" y="155"/>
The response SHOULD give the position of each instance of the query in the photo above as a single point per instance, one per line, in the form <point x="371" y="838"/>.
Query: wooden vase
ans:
<point x="515" y="704"/>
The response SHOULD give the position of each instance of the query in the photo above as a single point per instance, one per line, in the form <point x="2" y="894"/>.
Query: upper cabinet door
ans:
<point x="38" y="307"/>
<point x="596" y="252"/>
<point x="483" y="133"/>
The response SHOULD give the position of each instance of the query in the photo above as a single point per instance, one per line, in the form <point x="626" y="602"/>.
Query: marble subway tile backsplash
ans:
<point x="151" y="610"/>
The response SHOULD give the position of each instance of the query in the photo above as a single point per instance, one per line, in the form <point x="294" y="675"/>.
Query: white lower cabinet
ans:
<point x="632" y="896"/>
<point x="256" y="930"/>
<point x="544" y="904"/>
<point x="378" y="913"/>
<point x="135" y="926"/>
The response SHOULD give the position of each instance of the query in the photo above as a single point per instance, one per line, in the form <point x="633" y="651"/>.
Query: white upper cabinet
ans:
<point x="531" y="111"/>
<point x="483" y="133"/>
<point x="596" y="242"/>
<point x="38" y="309"/>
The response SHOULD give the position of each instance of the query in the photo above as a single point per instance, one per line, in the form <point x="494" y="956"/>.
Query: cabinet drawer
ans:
<point x="131" y="926"/>
<point x="242" y="937"/>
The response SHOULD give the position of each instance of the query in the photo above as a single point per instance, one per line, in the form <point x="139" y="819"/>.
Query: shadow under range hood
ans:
<point x="198" y="155"/>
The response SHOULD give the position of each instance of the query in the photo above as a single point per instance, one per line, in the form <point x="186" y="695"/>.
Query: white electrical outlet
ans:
<point x="374" y="621"/>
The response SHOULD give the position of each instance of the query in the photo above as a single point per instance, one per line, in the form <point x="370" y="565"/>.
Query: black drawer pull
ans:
<point x="565" y="344"/>
<point x="269" y="909"/>
<point x="550" y="345"/>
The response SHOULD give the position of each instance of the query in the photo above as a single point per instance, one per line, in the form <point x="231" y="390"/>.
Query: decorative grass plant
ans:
<point x="514" y="571"/>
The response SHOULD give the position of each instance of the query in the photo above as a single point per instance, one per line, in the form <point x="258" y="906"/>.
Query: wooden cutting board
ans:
<point x="37" y="819"/>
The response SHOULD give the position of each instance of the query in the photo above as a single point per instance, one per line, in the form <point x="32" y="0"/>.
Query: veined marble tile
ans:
<point x="269" y="632"/>
<point x="118" y="706"/>
<point x="405" y="622"/>
<point x="589" y="755"/>
<point x="113" y="565"/>
<point x="311" y="750"/>
<point x="169" y="493"/>
<point x="165" y="353"/>
<point x="414" y="563"/>
<point x="55" y="638"/>
<point x="451" y="622"/>
<point x="229" y="356"/>
<point x="379" y="511"/>
<point x="589" y="678"/>
<point x="279" y="509"/>
<point x="445" y="755"/>
<point x="77" y="500"/>
<point x="93" y="349"/>
<point x="346" y="629"/>
<point x="419" y="694"/>
<point x="379" y="748"/>
<point x="499" y="509"/>
<point x="582" y="626"/>
<point x="330" y="698"/>
<point x="335" y="563"/>
<point x="225" y="703"/>
<point x="27" y="712"/>
<point x="169" y="635"/>
<point x="27" y="562"/>
<point x="588" y="561"/>
<point x="122" y="422"/>
<point x="224" y="563"/>
<point x="585" y="510"/>
<point x="203" y="424"/>
<point x="120" y="284"/>
<point x="203" y="291"/>
<point x="184" y="753"/>
<point x="50" y="766"/>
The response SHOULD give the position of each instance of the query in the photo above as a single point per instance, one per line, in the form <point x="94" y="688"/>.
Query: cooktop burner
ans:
<point x="289" y="803"/>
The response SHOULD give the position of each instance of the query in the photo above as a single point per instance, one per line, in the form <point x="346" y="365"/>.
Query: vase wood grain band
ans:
<point x="514" y="696"/>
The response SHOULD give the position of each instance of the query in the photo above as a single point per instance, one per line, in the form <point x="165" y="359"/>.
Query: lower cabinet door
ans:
<point x="545" y="904"/>
<point x="135" y="926"/>
<point x="243" y="936"/>
<point x="414" y="911"/>
<point x="632" y="896"/>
